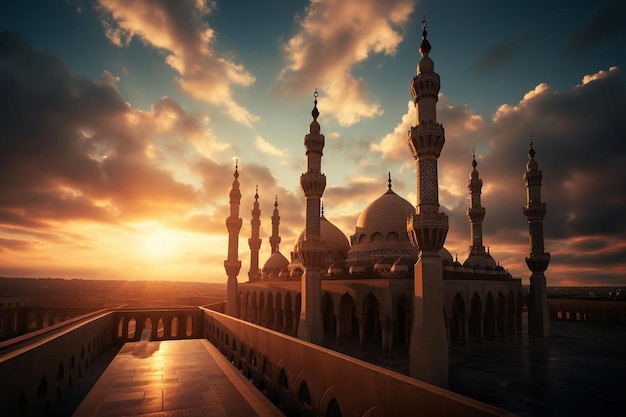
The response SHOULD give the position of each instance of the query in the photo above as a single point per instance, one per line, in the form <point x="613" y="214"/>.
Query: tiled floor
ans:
<point x="182" y="378"/>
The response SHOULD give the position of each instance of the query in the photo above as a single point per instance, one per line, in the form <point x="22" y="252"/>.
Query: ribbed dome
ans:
<point x="381" y="229"/>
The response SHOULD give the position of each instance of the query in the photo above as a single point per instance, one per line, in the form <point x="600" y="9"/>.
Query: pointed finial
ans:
<point x="276" y="201"/>
<point x="236" y="175"/>
<point x="425" y="46"/>
<point x="256" y="194"/>
<point x="315" y="112"/>
<point x="531" y="152"/>
<point x="389" y="180"/>
<point x="474" y="163"/>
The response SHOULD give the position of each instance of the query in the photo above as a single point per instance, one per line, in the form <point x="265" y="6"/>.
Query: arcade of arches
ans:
<point x="378" y="312"/>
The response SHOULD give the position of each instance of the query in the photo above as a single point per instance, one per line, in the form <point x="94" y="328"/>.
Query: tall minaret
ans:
<point x="255" y="242"/>
<point x="232" y="264"/>
<point x="428" y="350"/>
<point x="538" y="259"/>
<point x="311" y="250"/>
<point x="475" y="213"/>
<point x="275" y="238"/>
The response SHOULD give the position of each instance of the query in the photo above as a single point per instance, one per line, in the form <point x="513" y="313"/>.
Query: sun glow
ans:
<point x="161" y="243"/>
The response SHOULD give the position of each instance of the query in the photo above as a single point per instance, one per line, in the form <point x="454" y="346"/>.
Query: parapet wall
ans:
<point x="306" y="379"/>
<point x="35" y="373"/>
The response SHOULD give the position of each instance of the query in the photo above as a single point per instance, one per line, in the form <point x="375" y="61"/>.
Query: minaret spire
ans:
<point x="311" y="250"/>
<point x="275" y="238"/>
<point x="538" y="259"/>
<point x="232" y="264"/>
<point x="428" y="351"/>
<point x="255" y="241"/>
<point x="475" y="212"/>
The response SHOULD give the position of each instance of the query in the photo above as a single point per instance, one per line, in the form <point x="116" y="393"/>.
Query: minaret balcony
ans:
<point x="232" y="267"/>
<point x="475" y="214"/>
<point x="428" y="231"/>
<point x="233" y="224"/>
<point x="426" y="140"/>
<point x="538" y="262"/>
<point x="535" y="211"/>
<point x="255" y="244"/>
<point x="313" y="184"/>
<point x="311" y="252"/>
<point x="425" y="85"/>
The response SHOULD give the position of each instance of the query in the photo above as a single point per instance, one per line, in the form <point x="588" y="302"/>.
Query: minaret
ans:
<point x="255" y="242"/>
<point x="275" y="238"/>
<point x="475" y="213"/>
<point x="428" y="350"/>
<point x="538" y="259"/>
<point x="311" y="250"/>
<point x="232" y="264"/>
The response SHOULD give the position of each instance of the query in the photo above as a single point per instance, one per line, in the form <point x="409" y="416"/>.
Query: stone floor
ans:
<point x="181" y="378"/>
<point x="580" y="370"/>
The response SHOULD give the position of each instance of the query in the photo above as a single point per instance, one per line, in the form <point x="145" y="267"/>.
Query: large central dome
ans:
<point x="381" y="229"/>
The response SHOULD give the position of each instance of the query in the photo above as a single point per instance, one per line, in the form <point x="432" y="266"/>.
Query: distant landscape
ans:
<point x="109" y="293"/>
<point x="102" y="294"/>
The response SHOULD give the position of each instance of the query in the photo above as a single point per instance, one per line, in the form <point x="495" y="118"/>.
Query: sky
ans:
<point x="121" y="122"/>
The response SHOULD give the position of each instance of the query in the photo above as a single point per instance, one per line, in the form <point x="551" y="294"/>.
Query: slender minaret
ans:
<point x="311" y="250"/>
<point x="275" y="238"/>
<point x="537" y="260"/>
<point x="232" y="264"/>
<point x="428" y="350"/>
<point x="475" y="212"/>
<point x="255" y="242"/>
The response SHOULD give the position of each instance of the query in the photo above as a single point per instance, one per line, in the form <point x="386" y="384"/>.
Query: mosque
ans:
<point x="392" y="284"/>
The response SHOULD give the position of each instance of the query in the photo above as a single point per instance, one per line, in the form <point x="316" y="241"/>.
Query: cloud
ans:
<point x="269" y="149"/>
<point x="494" y="57"/>
<point x="76" y="151"/>
<point x="179" y="28"/>
<point x="332" y="38"/>
<point x="605" y="22"/>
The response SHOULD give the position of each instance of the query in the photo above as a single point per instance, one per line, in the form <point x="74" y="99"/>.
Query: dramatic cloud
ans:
<point x="79" y="160"/>
<point x="180" y="29"/>
<point x="579" y="139"/>
<point x="332" y="38"/>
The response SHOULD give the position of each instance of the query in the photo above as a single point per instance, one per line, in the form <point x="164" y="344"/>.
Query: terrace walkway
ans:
<point x="177" y="378"/>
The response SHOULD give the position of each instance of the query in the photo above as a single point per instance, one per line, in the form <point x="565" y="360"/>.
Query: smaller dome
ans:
<point x="357" y="268"/>
<point x="336" y="268"/>
<point x="276" y="262"/>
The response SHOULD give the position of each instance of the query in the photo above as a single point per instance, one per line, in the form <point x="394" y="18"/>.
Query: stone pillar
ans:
<point x="387" y="333"/>
<point x="361" y="320"/>
<point x="338" y="327"/>
<point x="465" y="332"/>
